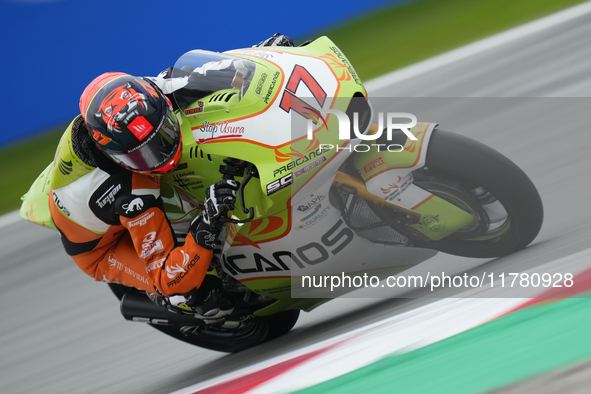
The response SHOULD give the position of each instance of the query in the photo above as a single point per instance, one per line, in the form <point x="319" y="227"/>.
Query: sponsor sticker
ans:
<point x="140" y="127"/>
<point x="346" y="63"/>
<point x="211" y="131"/>
<point x="304" y="207"/>
<point x="310" y="166"/>
<point x="186" y="181"/>
<point x="139" y="277"/>
<point x="313" y="218"/>
<point x="279" y="184"/>
<point x="260" y="83"/>
<point x="372" y="165"/>
<point x="135" y="205"/>
<point x="184" y="272"/>
<point x="116" y="264"/>
<point x="65" y="167"/>
<point x="300" y="161"/>
<point x="113" y="262"/>
<point x="155" y="265"/>
<point x="152" y="248"/>
<point x="311" y="213"/>
<point x="108" y="197"/>
<point x="271" y="87"/>
<point x="396" y="190"/>
<point x="142" y="220"/>
<point x="387" y="189"/>
<point x="180" y="167"/>
<point x="173" y="270"/>
<point x="196" y="110"/>
<point x="59" y="204"/>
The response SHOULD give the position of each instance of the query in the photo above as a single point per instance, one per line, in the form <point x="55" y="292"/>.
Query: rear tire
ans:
<point x="230" y="337"/>
<point x="236" y="336"/>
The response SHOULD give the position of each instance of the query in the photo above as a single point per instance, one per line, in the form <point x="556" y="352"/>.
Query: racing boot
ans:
<point x="208" y="302"/>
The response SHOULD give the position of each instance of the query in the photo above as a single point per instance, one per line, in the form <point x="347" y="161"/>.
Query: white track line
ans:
<point x="362" y="346"/>
<point x="413" y="329"/>
<point x="446" y="58"/>
<point x="479" y="46"/>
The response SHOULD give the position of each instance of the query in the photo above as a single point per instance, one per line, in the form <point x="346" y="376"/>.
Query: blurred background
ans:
<point x="62" y="333"/>
<point x="51" y="49"/>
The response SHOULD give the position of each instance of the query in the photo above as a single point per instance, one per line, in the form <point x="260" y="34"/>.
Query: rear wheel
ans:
<point x="232" y="336"/>
<point x="235" y="336"/>
<point x="505" y="204"/>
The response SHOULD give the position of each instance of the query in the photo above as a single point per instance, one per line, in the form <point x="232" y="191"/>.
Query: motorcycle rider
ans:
<point x="106" y="199"/>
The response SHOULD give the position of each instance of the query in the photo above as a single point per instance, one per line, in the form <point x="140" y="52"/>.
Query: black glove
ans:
<point x="206" y="301"/>
<point x="277" y="40"/>
<point x="205" y="234"/>
<point x="220" y="198"/>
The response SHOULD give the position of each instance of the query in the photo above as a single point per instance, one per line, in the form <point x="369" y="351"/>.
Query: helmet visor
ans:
<point x="156" y="151"/>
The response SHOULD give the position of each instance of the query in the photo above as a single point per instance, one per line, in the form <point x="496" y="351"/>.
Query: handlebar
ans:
<point x="231" y="169"/>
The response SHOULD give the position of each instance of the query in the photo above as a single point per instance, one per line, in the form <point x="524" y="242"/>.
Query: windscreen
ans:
<point x="204" y="72"/>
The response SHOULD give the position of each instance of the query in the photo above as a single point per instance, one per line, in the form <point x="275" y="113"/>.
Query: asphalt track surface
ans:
<point x="60" y="332"/>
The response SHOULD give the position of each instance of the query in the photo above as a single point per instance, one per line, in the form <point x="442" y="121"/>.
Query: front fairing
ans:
<point x="250" y="119"/>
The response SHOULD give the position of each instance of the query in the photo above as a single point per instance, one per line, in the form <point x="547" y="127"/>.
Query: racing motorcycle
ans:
<point x="323" y="190"/>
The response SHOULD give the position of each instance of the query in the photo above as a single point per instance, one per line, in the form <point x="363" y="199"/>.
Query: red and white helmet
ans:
<point x="132" y="122"/>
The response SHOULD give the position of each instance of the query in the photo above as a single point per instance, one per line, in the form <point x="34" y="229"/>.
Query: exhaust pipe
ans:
<point x="137" y="307"/>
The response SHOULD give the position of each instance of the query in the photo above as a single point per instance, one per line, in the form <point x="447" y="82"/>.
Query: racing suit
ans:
<point x="112" y="223"/>
<point x="111" y="220"/>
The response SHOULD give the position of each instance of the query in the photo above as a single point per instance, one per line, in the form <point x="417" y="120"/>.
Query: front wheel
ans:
<point x="505" y="204"/>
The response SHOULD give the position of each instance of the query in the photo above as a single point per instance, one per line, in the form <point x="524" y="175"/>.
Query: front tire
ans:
<point x="506" y="206"/>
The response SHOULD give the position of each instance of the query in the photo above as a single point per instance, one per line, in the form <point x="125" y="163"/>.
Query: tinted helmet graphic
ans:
<point x="123" y="103"/>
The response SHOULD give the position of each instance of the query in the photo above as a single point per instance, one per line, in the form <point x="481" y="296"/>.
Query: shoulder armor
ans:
<point x="67" y="164"/>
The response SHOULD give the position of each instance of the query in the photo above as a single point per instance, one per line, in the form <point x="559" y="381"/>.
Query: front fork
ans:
<point x="388" y="182"/>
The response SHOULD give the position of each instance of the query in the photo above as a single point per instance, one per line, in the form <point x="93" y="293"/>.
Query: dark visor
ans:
<point x="154" y="152"/>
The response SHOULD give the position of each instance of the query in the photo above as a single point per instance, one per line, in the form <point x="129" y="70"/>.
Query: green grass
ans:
<point x="376" y="43"/>
<point x="21" y="163"/>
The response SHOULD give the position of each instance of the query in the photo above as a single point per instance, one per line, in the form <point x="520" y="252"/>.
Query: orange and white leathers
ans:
<point x="140" y="251"/>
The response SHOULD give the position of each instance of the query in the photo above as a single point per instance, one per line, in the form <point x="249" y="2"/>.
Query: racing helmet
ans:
<point x="132" y="122"/>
